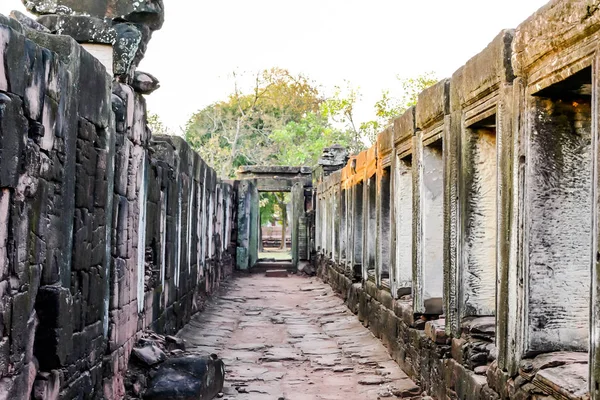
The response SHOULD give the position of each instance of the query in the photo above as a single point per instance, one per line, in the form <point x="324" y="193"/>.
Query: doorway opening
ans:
<point x="275" y="242"/>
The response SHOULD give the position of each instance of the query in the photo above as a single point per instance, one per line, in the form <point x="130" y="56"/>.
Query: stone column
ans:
<point x="478" y="117"/>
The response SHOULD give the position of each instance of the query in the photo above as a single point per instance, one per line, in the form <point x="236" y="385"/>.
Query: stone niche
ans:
<point x="478" y="220"/>
<point x="551" y="176"/>
<point x="402" y="209"/>
<point x="336" y="215"/>
<point x="359" y="220"/>
<point x="384" y="204"/>
<point x="370" y="216"/>
<point x="428" y="175"/>
<point x="558" y="203"/>
<point x="343" y="227"/>
<point x="347" y="215"/>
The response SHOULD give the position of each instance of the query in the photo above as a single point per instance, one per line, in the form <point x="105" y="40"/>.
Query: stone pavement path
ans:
<point x="294" y="339"/>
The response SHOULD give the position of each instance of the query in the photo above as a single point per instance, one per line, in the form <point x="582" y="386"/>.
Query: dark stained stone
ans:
<point x="187" y="378"/>
<point x="28" y="22"/>
<point x="129" y="43"/>
<point x="150" y="12"/>
<point x="144" y="83"/>
<point x="94" y="87"/>
<point x="83" y="29"/>
<point x="53" y="341"/>
<point x="13" y="134"/>
<point x="149" y="355"/>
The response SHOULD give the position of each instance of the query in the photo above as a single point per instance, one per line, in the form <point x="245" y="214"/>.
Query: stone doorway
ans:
<point x="261" y="238"/>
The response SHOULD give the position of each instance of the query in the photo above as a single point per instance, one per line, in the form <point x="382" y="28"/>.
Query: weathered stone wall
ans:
<point x="480" y="275"/>
<point x="104" y="231"/>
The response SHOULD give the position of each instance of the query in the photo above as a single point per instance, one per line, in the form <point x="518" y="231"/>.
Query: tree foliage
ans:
<point x="157" y="127"/>
<point x="282" y="120"/>
<point x="273" y="210"/>
<point x="389" y="107"/>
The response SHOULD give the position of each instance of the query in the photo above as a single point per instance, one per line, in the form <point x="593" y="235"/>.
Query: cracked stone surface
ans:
<point x="293" y="338"/>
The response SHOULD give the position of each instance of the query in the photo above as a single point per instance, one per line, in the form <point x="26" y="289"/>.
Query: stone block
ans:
<point x="94" y="89"/>
<point x="144" y="83"/>
<point x="15" y="61"/>
<point x="23" y="326"/>
<point x="483" y="73"/>
<point x="81" y="388"/>
<point x="13" y="133"/>
<point x="277" y="273"/>
<point x="5" y="362"/>
<point x="26" y="22"/>
<point x="187" y="377"/>
<point x="149" y="12"/>
<point x="433" y="104"/>
<point x="457" y="349"/>
<point x="435" y="330"/>
<point x="36" y="81"/>
<point x="551" y="29"/>
<point x="404" y="126"/>
<point x="82" y="28"/>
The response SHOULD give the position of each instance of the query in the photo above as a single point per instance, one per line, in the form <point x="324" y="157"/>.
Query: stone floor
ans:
<point x="293" y="338"/>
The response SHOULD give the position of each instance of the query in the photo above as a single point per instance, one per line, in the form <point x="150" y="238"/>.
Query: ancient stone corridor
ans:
<point x="294" y="339"/>
<point x="461" y="250"/>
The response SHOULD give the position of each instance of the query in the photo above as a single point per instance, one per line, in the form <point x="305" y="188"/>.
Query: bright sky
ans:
<point x="367" y="43"/>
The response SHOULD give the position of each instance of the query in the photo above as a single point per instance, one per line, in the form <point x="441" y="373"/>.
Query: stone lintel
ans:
<point x="385" y="144"/>
<point x="83" y="29"/>
<point x="558" y="25"/>
<point x="403" y="132"/>
<point x="433" y="104"/>
<point x="483" y="73"/>
<point x="274" y="170"/>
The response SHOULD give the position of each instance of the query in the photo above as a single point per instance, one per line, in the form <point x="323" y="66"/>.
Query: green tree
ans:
<point x="273" y="209"/>
<point x="389" y="107"/>
<point x="282" y="120"/>
<point x="157" y="127"/>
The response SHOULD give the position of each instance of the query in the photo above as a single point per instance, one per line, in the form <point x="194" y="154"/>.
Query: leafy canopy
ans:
<point x="282" y="120"/>
<point x="389" y="107"/>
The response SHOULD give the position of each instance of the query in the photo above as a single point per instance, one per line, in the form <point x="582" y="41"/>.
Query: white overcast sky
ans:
<point x="366" y="42"/>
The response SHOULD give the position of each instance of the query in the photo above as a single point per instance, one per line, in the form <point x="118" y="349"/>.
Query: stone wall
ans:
<point x="104" y="230"/>
<point x="469" y="238"/>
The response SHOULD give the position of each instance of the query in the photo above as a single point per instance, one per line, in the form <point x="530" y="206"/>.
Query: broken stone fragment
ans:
<point x="150" y="12"/>
<point x="28" y="22"/>
<point x="173" y="342"/>
<point x="372" y="380"/>
<point x="125" y="24"/>
<point x="149" y="355"/>
<point x="83" y="29"/>
<point x="187" y="378"/>
<point x="334" y="155"/>
<point x="144" y="83"/>
<point x="129" y="44"/>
